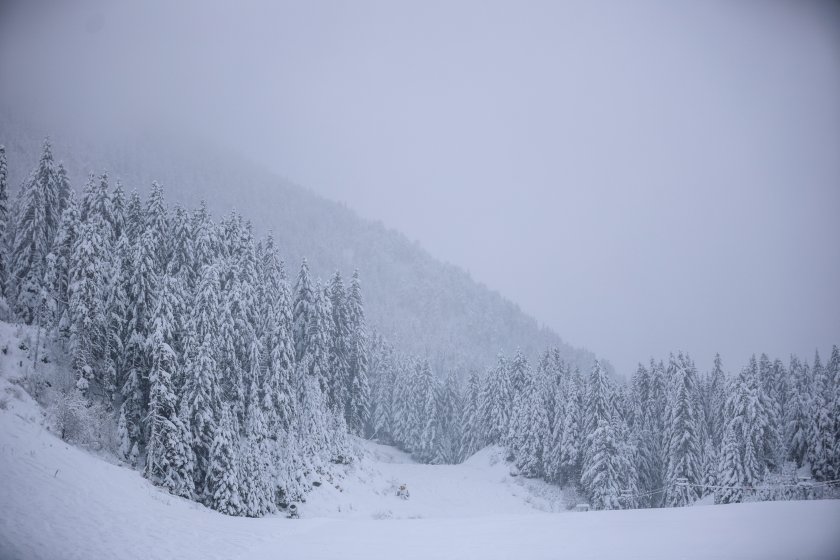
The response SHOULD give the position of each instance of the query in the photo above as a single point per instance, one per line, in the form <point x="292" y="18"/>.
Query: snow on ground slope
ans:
<point x="481" y="486"/>
<point x="59" y="502"/>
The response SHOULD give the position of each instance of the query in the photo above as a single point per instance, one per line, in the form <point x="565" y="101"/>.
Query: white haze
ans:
<point x="641" y="177"/>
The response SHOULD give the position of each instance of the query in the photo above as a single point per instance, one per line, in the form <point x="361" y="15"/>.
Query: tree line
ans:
<point x="230" y="384"/>
<point x="236" y="387"/>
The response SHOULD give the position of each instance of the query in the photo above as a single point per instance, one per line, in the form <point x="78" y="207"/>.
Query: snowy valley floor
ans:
<point x="59" y="502"/>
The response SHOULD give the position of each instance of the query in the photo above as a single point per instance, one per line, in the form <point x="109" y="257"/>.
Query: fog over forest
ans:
<point x="483" y="279"/>
<point x="637" y="184"/>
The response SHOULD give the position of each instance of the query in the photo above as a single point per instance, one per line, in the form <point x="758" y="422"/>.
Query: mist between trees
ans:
<point x="232" y="385"/>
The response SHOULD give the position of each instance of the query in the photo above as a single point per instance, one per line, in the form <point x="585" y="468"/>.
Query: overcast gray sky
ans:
<point x="642" y="177"/>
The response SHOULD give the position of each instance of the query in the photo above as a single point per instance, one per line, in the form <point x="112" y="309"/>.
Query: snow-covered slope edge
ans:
<point x="61" y="502"/>
<point x="481" y="486"/>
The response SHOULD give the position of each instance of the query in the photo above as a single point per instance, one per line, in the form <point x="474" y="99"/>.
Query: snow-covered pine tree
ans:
<point x="710" y="467"/>
<point x="771" y="451"/>
<point x="117" y="308"/>
<point x="404" y="409"/>
<point x="205" y="240"/>
<point x="86" y="309"/>
<point x="169" y="458"/>
<point x="552" y="373"/>
<point x="303" y="309"/>
<point x="683" y="470"/>
<point x="783" y="395"/>
<point x="88" y="196"/>
<point x="257" y="490"/>
<point x="472" y="430"/>
<point x="383" y="378"/>
<point x="318" y="340"/>
<point x="4" y="220"/>
<point x="821" y="429"/>
<point x="716" y="401"/>
<point x="600" y="477"/>
<point x="449" y="405"/>
<point x="230" y="369"/>
<point x="311" y="327"/>
<point x="36" y="223"/>
<point x="797" y="412"/>
<point x="201" y="402"/>
<point x="278" y="395"/>
<point x="358" y="405"/>
<point x="626" y="459"/>
<point x="553" y="445"/>
<point x="123" y="439"/>
<point x="257" y="377"/>
<point x="338" y="396"/>
<point x="59" y="264"/>
<point x="730" y="475"/>
<point x="518" y="417"/>
<point x="518" y="374"/>
<point x="63" y="182"/>
<point x="96" y="206"/>
<point x="135" y="223"/>
<point x="649" y="437"/>
<point x="182" y="257"/>
<point x="428" y="388"/>
<point x="572" y="438"/>
<point x="747" y="419"/>
<point x="156" y="222"/>
<point x="833" y="399"/>
<point x="142" y="284"/>
<point x="272" y="277"/>
<point x="640" y="395"/>
<point x="529" y="429"/>
<point x="496" y="402"/>
<point x="223" y="476"/>
<point x="311" y="424"/>
<point x="244" y="301"/>
<point x="113" y="322"/>
<point x="290" y="468"/>
<point x="140" y="289"/>
<point x="118" y="210"/>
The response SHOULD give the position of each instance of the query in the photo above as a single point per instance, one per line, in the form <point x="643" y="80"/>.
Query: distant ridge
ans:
<point x="422" y="305"/>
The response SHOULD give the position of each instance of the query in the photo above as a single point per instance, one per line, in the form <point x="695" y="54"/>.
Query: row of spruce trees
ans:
<point x="228" y="385"/>
<point x="668" y="438"/>
<point x="233" y="386"/>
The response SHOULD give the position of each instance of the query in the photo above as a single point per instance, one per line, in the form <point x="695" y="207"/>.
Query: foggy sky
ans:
<point x="642" y="179"/>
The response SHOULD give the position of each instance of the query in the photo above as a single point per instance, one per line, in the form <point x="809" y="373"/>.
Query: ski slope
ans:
<point x="60" y="502"/>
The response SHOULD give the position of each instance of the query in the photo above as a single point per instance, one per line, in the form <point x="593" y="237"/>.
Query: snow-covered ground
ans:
<point x="60" y="502"/>
<point x="479" y="487"/>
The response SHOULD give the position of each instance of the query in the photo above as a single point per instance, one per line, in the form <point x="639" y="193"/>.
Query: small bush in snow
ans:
<point x="35" y="383"/>
<point x="77" y="420"/>
<point x="571" y="497"/>
<point x="383" y="514"/>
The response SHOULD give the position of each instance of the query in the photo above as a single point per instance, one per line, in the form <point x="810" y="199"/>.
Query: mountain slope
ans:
<point x="60" y="502"/>
<point x="424" y="306"/>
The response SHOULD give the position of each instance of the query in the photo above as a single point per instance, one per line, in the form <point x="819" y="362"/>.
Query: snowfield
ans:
<point x="59" y="502"/>
<point x="479" y="487"/>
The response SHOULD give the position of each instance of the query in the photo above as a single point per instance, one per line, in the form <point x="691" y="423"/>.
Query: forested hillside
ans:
<point x="424" y="306"/>
<point x="231" y="384"/>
